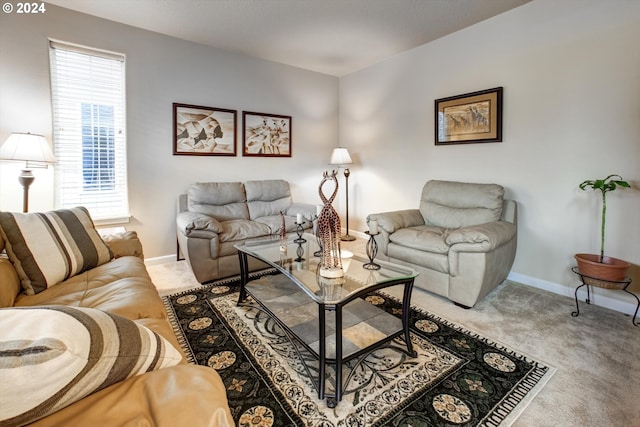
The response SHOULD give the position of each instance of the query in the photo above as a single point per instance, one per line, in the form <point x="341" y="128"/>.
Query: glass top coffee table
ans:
<point x="298" y="300"/>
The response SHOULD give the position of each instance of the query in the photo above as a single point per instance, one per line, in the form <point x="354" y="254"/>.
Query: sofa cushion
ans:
<point x="267" y="197"/>
<point x="47" y="248"/>
<point x="53" y="356"/>
<point x="242" y="229"/>
<point x="121" y="287"/>
<point x="423" y="237"/>
<point x="221" y="200"/>
<point x="459" y="204"/>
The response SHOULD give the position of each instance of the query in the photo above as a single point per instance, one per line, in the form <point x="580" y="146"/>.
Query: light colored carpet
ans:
<point x="597" y="354"/>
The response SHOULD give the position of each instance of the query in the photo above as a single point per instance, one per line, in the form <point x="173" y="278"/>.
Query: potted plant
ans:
<point x="601" y="266"/>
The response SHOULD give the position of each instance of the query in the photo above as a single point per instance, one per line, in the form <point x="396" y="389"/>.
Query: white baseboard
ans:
<point x="599" y="297"/>
<point x="160" y="260"/>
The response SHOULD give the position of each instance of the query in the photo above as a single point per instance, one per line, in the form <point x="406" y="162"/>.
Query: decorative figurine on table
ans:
<point x="282" y="231"/>
<point x="329" y="231"/>
<point x="315" y="218"/>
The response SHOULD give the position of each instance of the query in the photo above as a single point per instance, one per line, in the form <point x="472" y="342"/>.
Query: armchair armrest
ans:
<point x="191" y="223"/>
<point x="482" y="237"/>
<point x="395" y="220"/>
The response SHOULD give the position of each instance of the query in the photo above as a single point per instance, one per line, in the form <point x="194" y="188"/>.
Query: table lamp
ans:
<point x="32" y="149"/>
<point x="340" y="156"/>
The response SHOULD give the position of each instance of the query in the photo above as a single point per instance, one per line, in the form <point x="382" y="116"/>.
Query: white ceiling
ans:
<point x="334" y="37"/>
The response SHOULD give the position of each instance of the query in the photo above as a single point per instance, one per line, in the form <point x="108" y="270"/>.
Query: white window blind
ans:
<point x="89" y="135"/>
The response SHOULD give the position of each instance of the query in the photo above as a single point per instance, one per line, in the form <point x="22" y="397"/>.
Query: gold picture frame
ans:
<point x="470" y="118"/>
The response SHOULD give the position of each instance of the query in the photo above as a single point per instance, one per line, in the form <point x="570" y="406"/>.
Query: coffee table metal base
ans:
<point x="317" y="345"/>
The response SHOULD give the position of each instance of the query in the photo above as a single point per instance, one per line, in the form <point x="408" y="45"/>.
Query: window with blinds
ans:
<point x="89" y="135"/>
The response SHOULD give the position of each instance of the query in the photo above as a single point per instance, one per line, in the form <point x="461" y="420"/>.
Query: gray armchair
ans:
<point x="462" y="239"/>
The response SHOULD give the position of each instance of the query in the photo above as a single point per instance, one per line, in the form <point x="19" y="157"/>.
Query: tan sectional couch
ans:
<point x="179" y="395"/>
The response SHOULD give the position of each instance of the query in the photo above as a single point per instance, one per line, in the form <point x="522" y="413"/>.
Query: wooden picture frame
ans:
<point x="266" y="135"/>
<point x="204" y="131"/>
<point x="470" y="118"/>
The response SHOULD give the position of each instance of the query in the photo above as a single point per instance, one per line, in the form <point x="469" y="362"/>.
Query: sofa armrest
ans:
<point x="482" y="237"/>
<point x="395" y="220"/>
<point x="10" y="283"/>
<point x="190" y="223"/>
<point x="124" y="244"/>
<point x="181" y="395"/>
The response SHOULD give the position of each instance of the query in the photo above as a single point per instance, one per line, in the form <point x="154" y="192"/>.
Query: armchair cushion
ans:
<point x="423" y="237"/>
<point x="459" y="204"/>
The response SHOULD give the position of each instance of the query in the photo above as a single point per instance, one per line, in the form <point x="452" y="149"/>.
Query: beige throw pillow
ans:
<point x="49" y="247"/>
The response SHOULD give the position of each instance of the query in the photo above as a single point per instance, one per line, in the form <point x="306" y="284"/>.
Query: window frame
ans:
<point x="94" y="78"/>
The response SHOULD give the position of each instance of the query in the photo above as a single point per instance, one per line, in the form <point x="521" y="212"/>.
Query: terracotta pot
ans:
<point x="610" y="268"/>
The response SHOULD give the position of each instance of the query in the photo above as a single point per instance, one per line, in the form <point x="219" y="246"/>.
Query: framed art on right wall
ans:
<point x="469" y="118"/>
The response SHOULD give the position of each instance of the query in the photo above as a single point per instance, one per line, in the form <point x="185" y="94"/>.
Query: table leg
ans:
<point x="338" y="386"/>
<point x="244" y="276"/>
<point x="322" y="351"/>
<point x="406" y="310"/>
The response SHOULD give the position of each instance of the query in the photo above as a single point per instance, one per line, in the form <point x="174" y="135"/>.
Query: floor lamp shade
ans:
<point x="32" y="149"/>
<point x="340" y="156"/>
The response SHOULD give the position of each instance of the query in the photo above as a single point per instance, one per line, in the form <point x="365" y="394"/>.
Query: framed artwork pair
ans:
<point x="209" y="131"/>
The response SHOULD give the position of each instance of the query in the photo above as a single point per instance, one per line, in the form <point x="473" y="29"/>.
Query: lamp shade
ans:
<point x="27" y="147"/>
<point x="340" y="156"/>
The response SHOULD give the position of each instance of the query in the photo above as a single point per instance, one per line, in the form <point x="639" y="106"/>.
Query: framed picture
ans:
<point x="266" y="135"/>
<point x="203" y="131"/>
<point x="469" y="118"/>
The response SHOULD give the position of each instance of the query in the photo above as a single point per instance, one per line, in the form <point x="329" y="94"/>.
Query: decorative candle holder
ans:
<point x="300" y="240"/>
<point x="372" y="251"/>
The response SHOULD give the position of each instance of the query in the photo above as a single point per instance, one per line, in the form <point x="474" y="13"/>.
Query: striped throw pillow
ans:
<point x="47" y="248"/>
<point x="52" y="356"/>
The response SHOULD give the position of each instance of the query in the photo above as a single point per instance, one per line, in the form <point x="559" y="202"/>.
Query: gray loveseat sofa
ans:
<point x="214" y="216"/>
<point x="462" y="239"/>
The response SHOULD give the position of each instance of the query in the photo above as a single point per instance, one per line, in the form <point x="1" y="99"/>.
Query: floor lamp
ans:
<point x="341" y="157"/>
<point x="32" y="149"/>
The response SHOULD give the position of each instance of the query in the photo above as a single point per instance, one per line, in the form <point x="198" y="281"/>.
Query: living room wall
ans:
<point x="571" y="77"/>
<point x="161" y="70"/>
<point x="570" y="72"/>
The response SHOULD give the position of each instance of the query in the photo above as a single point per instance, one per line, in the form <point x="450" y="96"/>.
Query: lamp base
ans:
<point x="347" y="238"/>
<point x="25" y="179"/>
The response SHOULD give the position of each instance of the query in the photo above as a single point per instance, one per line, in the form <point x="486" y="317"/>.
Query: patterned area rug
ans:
<point x="458" y="378"/>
